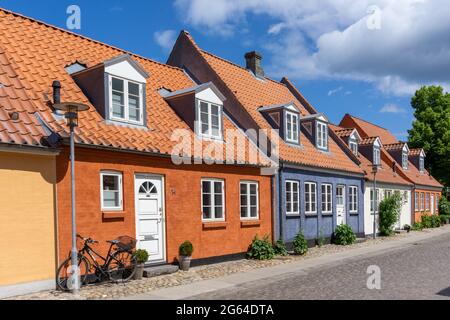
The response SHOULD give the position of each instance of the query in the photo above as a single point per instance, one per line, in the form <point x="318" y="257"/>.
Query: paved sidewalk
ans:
<point x="298" y="267"/>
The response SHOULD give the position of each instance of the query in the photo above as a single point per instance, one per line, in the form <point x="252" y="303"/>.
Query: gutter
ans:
<point x="323" y="170"/>
<point x="27" y="149"/>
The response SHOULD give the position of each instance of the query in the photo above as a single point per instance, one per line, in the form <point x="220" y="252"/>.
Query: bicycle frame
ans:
<point x="92" y="253"/>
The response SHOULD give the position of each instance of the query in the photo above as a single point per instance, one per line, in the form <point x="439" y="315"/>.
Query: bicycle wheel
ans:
<point x="122" y="266"/>
<point x="63" y="272"/>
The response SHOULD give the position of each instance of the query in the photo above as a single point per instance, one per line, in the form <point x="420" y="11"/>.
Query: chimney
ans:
<point x="253" y="61"/>
<point x="56" y="92"/>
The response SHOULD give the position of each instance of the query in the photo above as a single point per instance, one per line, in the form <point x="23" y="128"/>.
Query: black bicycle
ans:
<point x="119" y="265"/>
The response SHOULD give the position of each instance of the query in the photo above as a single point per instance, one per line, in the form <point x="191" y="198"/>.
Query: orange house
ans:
<point x="153" y="159"/>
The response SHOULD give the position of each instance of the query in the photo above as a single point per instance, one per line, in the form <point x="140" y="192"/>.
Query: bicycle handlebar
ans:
<point x="87" y="240"/>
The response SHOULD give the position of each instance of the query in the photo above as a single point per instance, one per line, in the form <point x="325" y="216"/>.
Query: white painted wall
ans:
<point x="405" y="215"/>
<point x="125" y="70"/>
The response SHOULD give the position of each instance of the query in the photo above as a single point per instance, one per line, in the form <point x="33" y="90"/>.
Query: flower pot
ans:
<point x="185" y="263"/>
<point x="139" y="271"/>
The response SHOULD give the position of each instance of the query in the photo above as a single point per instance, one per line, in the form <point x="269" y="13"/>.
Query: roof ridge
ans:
<point x="376" y="125"/>
<point x="34" y="20"/>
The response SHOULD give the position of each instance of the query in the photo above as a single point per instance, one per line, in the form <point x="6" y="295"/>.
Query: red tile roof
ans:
<point x="34" y="54"/>
<point x="253" y="93"/>
<point x="394" y="146"/>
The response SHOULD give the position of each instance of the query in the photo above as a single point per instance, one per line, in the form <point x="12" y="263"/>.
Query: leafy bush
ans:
<point x="417" y="226"/>
<point x="427" y="222"/>
<point x="300" y="244"/>
<point x="141" y="255"/>
<point x="389" y="214"/>
<point x="261" y="249"/>
<point x="344" y="235"/>
<point x="280" y="248"/>
<point x="444" y="206"/>
<point x="435" y="221"/>
<point x="444" y="218"/>
<point x="186" y="249"/>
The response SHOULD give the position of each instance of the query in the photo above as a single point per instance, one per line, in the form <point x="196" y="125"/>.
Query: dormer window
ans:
<point x="210" y="120"/>
<point x="353" y="146"/>
<point x="291" y="127"/>
<point x="422" y="163"/>
<point x="126" y="100"/>
<point x="322" y="135"/>
<point x="376" y="155"/>
<point x="405" y="159"/>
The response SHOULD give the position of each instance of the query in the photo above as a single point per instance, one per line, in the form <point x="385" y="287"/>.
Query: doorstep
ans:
<point x="159" y="270"/>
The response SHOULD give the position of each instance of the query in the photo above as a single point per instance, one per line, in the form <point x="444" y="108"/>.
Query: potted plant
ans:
<point x="185" y="253"/>
<point x="141" y="256"/>
<point x="407" y="227"/>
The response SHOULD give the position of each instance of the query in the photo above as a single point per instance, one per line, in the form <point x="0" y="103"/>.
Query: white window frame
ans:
<point x="427" y="202"/>
<point x="213" y="206"/>
<point x="115" y="174"/>
<point x="294" y="136"/>
<point x="421" y="163"/>
<point x="209" y="135"/>
<point x="126" y="101"/>
<point x="308" y="198"/>
<point x="372" y="195"/>
<point x="248" y="204"/>
<point x="353" y="199"/>
<point x="376" y="155"/>
<point x="322" y="135"/>
<point x="405" y="160"/>
<point x="354" y="147"/>
<point x="416" y="202"/>
<point x="328" y="192"/>
<point x="422" y="201"/>
<point x="291" y="211"/>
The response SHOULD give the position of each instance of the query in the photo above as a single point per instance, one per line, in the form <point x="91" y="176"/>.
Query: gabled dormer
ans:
<point x="370" y="148"/>
<point x="201" y="107"/>
<point x="315" y="127"/>
<point x="417" y="157"/>
<point x="117" y="89"/>
<point x="286" y="119"/>
<point x="353" y="142"/>
<point x="400" y="152"/>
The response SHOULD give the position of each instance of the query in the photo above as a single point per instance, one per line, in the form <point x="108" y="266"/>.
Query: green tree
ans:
<point x="431" y="130"/>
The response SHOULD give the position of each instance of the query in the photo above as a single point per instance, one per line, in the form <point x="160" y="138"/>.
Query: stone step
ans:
<point x="154" y="271"/>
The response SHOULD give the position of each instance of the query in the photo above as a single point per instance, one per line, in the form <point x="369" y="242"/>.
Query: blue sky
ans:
<point x="344" y="57"/>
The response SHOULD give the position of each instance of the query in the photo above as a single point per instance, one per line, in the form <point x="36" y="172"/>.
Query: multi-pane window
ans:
<point x="421" y="163"/>
<point x="322" y="135"/>
<point x="210" y="120"/>
<point x="340" y="195"/>
<point x="376" y="155"/>
<point x="310" y="198"/>
<point x="372" y="200"/>
<point x="213" y="199"/>
<point x="327" y="199"/>
<point x="416" y="201"/>
<point x="437" y="203"/>
<point x="427" y="203"/>
<point x="126" y="100"/>
<point x="291" y="127"/>
<point x="354" y="147"/>
<point x="292" y="197"/>
<point x="249" y="200"/>
<point x="387" y="193"/>
<point x="353" y="198"/>
<point x="405" y="159"/>
<point x="422" y="201"/>
<point x="111" y="190"/>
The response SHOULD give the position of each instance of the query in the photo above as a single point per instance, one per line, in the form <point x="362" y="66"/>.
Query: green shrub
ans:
<point x="444" y="206"/>
<point x="280" y="248"/>
<point x="344" y="235"/>
<point x="300" y="244"/>
<point x="389" y="214"/>
<point x="444" y="218"/>
<point x="435" y="221"/>
<point x="186" y="249"/>
<point x="261" y="249"/>
<point x="417" y="226"/>
<point x="427" y="222"/>
<point x="141" y="255"/>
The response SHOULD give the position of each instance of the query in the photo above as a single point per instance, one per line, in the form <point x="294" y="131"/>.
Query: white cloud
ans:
<point x="330" y="39"/>
<point x="165" y="39"/>
<point x="334" y="91"/>
<point x="392" y="108"/>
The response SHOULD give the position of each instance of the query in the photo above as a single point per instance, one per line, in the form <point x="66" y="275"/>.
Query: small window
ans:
<point x="387" y="193"/>
<point x="405" y="161"/>
<point x="422" y="201"/>
<point x="111" y="191"/>
<point x="292" y="198"/>
<point x="372" y="200"/>
<point x="126" y="100"/>
<point x="376" y="156"/>
<point x="354" y="147"/>
<point x="340" y="195"/>
<point x="249" y="200"/>
<point x="322" y="135"/>
<point x="291" y="127"/>
<point x="310" y="198"/>
<point x="210" y="120"/>
<point x="427" y="203"/>
<point x="213" y="200"/>
<point x="327" y="200"/>
<point x="353" y="198"/>
<point x="422" y="163"/>
<point x="416" y="201"/>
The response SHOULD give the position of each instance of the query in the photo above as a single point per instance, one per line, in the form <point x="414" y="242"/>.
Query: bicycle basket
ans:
<point x="126" y="243"/>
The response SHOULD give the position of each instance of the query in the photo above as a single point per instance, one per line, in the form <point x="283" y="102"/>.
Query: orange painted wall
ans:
<point x="182" y="202"/>
<point x="417" y="214"/>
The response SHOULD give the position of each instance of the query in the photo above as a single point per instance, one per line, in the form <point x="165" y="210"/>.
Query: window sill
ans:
<point x="292" y="215"/>
<point x="113" y="214"/>
<point x="250" y="223"/>
<point x="214" y="225"/>
<point x="310" y="215"/>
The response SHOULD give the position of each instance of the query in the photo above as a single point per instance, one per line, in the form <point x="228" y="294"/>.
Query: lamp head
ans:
<point x="71" y="110"/>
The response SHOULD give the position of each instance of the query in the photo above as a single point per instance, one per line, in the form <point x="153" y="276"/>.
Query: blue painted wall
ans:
<point x="319" y="224"/>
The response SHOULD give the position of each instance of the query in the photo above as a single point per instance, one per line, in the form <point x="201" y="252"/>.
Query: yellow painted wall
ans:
<point x="27" y="218"/>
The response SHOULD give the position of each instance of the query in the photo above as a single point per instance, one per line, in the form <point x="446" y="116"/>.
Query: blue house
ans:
<point x="318" y="183"/>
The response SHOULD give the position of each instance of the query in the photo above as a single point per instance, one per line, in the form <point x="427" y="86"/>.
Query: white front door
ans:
<point x="150" y="228"/>
<point x="340" y="205"/>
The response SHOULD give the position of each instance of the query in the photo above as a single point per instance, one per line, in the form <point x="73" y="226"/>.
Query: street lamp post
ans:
<point x="71" y="110"/>
<point x="375" y="200"/>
